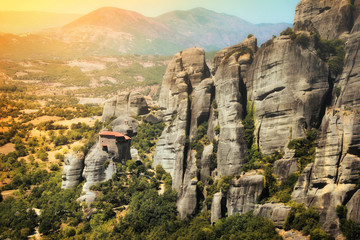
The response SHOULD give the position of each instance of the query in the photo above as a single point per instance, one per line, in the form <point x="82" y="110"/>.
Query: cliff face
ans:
<point x="330" y="18"/>
<point x="287" y="84"/>
<point x="230" y="65"/>
<point x="293" y="91"/>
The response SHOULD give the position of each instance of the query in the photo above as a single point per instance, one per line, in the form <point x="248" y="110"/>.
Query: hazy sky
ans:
<point x="255" y="11"/>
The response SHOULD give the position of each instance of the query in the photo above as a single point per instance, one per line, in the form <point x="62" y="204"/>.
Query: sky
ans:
<point x="255" y="11"/>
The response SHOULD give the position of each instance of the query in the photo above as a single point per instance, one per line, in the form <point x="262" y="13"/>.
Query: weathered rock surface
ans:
<point x="243" y="194"/>
<point x="286" y="166"/>
<point x="287" y="85"/>
<point x="125" y="125"/>
<point x="206" y="162"/>
<point x="330" y="18"/>
<point x="185" y="74"/>
<point x="353" y="207"/>
<point x="200" y="105"/>
<point x="218" y="206"/>
<point x="230" y="65"/>
<point x="185" y="71"/>
<point x="125" y="104"/>
<point x="331" y="179"/>
<point x="94" y="171"/>
<point x="74" y="165"/>
<point x="187" y="201"/>
<point x="151" y="118"/>
<point x="276" y="212"/>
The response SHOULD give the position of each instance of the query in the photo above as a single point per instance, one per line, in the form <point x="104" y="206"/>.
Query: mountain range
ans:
<point x="112" y="30"/>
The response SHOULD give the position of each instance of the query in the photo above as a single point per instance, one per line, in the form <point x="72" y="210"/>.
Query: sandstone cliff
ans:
<point x="293" y="90"/>
<point x="331" y="179"/>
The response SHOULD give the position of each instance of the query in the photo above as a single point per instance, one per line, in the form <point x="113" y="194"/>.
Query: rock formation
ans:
<point x="125" y="104"/>
<point x="277" y="212"/>
<point x="74" y="165"/>
<point x="292" y="91"/>
<point x="330" y="18"/>
<point x="185" y="72"/>
<point x="244" y="193"/>
<point x="287" y="85"/>
<point x="230" y="65"/>
<point x="331" y="179"/>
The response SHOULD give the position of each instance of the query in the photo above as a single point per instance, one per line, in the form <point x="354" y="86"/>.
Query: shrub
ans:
<point x="288" y="31"/>
<point x="304" y="149"/>
<point x="303" y="40"/>
<point x="350" y="229"/>
<point x="54" y="167"/>
<point x="337" y="91"/>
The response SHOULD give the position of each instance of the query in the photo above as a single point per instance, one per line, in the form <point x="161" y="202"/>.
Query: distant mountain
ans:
<point x="112" y="30"/>
<point x="24" y="22"/>
<point x="213" y="30"/>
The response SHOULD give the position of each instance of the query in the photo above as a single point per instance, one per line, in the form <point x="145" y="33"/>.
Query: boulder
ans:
<point x="286" y="166"/>
<point x="276" y="212"/>
<point x="150" y="118"/>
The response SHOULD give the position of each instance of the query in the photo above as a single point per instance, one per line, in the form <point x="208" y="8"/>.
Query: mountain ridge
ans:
<point x="113" y="30"/>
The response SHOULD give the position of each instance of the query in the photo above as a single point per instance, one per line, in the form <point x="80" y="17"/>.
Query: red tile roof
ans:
<point x="115" y="134"/>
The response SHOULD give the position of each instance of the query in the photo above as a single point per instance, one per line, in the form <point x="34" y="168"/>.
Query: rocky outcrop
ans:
<point x="331" y="179"/>
<point x="217" y="207"/>
<point x="200" y="105"/>
<point x="74" y="165"/>
<point x="292" y="91"/>
<point x="276" y="212"/>
<point x="329" y="18"/>
<point x="243" y="194"/>
<point x="286" y="166"/>
<point x="125" y="125"/>
<point x="185" y="71"/>
<point x="187" y="203"/>
<point x="353" y="207"/>
<point x="125" y="104"/>
<point x="287" y="85"/>
<point x="230" y="65"/>
<point x="185" y="74"/>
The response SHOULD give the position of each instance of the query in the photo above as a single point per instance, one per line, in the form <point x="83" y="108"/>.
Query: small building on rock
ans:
<point x="116" y="144"/>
